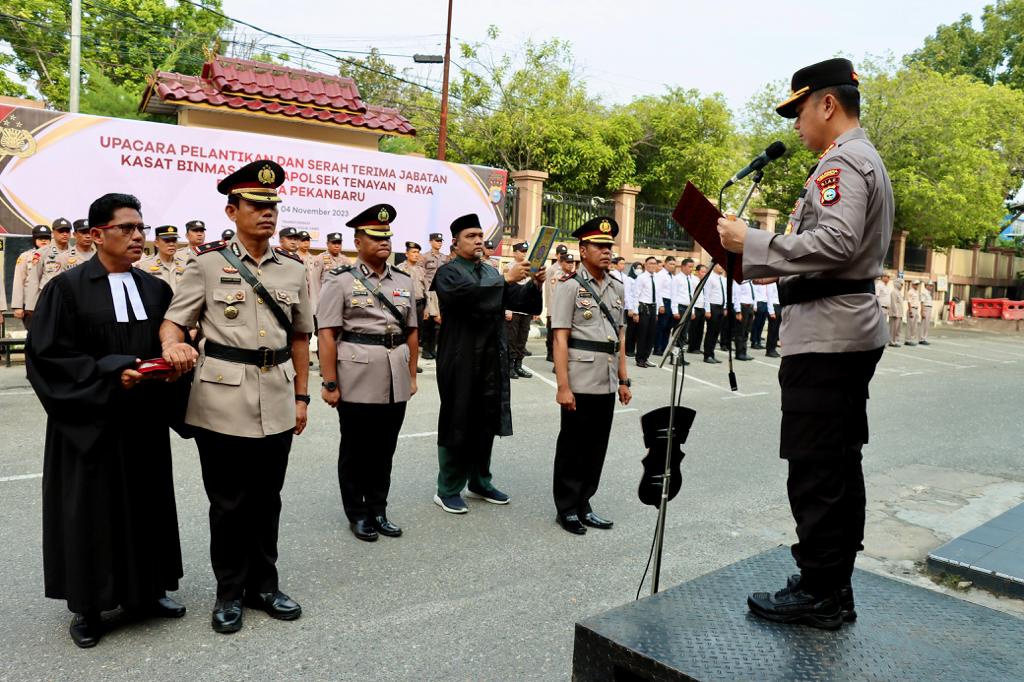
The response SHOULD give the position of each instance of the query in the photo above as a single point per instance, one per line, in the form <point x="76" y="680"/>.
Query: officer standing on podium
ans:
<point x="249" y="396"/>
<point x="833" y="335"/>
<point x="588" y="323"/>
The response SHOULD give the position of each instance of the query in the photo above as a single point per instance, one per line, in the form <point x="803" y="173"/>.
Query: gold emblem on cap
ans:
<point x="172" y="230"/>
<point x="266" y="175"/>
<point x="605" y="226"/>
<point x="231" y="312"/>
<point x="382" y="215"/>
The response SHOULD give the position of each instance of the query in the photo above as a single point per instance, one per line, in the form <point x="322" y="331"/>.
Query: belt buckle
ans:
<point x="389" y="340"/>
<point x="266" y="358"/>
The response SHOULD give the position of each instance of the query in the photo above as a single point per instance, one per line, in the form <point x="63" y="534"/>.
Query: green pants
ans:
<point x="462" y="465"/>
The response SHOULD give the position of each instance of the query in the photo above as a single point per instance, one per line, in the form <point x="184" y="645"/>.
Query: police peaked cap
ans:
<point x="599" y="230"/>
<point x="42" y="231"/>
<point x="166" y="232"/>
<point x="227" y="234"/>
<point x="288" y="232"/>
<point x="61" y="224"/>
<point x="521" y="246"/>
<point x="195" y="226"/>
<point x="827" y="74"/>
<point x="257" y="181"/>
<point x="334" y="237"/>
<point x="375" y="221"/>
<point x="81" y="225"/>
<point x="413" y="245"/>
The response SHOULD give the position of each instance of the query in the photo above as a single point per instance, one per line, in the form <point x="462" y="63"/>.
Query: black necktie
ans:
<point x="654" y="296"/>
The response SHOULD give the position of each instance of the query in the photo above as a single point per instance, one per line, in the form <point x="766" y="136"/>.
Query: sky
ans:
<point x="624" y="49"/>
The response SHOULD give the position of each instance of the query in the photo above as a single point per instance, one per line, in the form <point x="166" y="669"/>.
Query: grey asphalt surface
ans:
<point x="494" y="594"/>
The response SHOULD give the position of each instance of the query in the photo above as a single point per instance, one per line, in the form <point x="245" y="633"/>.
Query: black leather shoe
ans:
<point x="523" y="372"/>
<point x="363" y="529"/>
<point x="419" y="370"/>
<point x="924" y="343"/>
<point x="793" y="605"/>
<point x="512" y="374"/>
<point x="710" y="361"/>
<point x="772" y="354"/>
<point x="643" y="364"/>
<point x="744" y="358"/>
<point x="227" y="616"/>
<point x="165" y="607"/>
<point x="594" y="521"/>
<point x="427" y="355"/>
<point x="85" y="632"/>
<point x="846" y="605"/>
<point x="385" y="527"/>
<point x="571" y="523"/>
<point x="276" y="605"/>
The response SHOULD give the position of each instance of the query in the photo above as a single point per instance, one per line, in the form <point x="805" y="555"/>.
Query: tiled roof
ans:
<point x="240" y="84"/>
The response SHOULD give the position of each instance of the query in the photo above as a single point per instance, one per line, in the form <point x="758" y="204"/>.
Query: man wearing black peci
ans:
<point x="833" y="335"/>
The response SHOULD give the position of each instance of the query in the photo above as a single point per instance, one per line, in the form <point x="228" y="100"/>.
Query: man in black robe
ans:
<point x="110" y="528"/>
<point x="472" y="363"/>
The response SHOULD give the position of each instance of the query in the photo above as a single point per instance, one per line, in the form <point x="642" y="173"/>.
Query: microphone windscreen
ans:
<point x="775" y="150"/>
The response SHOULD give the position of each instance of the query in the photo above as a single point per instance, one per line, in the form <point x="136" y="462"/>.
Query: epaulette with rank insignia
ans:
<point x="566" y="277"/>
<point x="209" y="247"/>
<point x="341" y="269"/>
<point x="285" y="252"/>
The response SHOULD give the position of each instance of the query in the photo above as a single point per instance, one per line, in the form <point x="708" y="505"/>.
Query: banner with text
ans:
<point x="53" y="165"/>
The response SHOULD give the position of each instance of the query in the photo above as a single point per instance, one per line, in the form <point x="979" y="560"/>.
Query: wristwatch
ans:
<point x="330" y="385"/>
<point x="300" y="397"/>
<point x="626" y="382"/>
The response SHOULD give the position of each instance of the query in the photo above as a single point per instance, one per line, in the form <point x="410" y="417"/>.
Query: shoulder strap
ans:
<point x="593" y="292"/>
<point x="380" y="297"/>
<point x="258" y="287"/>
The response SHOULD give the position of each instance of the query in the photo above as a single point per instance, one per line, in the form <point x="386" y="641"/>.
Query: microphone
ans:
<point x="772" y="152"/>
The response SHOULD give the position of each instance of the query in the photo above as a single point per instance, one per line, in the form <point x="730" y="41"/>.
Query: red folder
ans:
<point x="699" y="218"/>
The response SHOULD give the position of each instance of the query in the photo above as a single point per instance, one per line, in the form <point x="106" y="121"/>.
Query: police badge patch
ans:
<point x="828" y="186"/>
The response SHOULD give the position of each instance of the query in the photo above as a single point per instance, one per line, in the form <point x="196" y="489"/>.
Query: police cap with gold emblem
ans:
<point x="304" y="236"/>
<point x="827" y="74"/>
<point x="469" y="221"/>
<point x="288" y="232"/>
<point x="227" y="234"/>
<point x="334" y="238"/>
<point x="413" y="245"/>
<point x="522" y="247"/>
<point x="436" y="237"/>
<point x="599" y="230"/>
<point x="567" y="258"/>
<point x="167" y="233"/>
<point x="257" y="181"/>
<point x="81" y="225"/>
<point x="375" y="221"/>
<point x="195" y="226"/>
<point x="42" y="231"/>
<point x="61" y="225"/>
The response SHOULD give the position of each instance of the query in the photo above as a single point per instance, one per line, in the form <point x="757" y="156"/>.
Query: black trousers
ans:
<point x="243" y="479"/>
<point x="646" y="330"/>
<point x="580" y="451"/>
<point x="824" y="428"/>
<point x="369" y="436"/>
<point x="548" y="339"/>
<point x="760" y="316"/>
<point x="741" y="328"/>
<point x="683" y="335"/>
<point x="665" y="321"/>
<point x="631" y="328"/>
<point x="428" y="335"/>
<point x="712" y="328"/>
<point x="695" y="331"/>
<point x="518" y="331"/>
<point x="773" y="328"/>
<point x="421" y="305"/>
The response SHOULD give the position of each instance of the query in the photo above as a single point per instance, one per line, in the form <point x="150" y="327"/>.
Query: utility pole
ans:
<point x="442" y="137"/>
<point x="75" y="74"/>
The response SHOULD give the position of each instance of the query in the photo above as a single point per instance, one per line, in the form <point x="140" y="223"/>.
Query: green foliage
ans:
<point x="102" y="97"/>
<point x="126" y="39"/>
<point x="9" y="85"/>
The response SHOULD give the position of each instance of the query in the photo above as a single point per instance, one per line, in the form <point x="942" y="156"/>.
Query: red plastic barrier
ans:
<point x="988" y="307"/>
<point x="1013" y="310"/>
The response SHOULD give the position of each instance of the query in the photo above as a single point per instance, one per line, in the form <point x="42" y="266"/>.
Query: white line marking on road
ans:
<point x="910" y="374"/>
<point x="999" y="348"/>
<point x="966" y="355"/>
<point x="767" y="364"/>
<point x="547" y="381"/>
<point x="6" y="393"/>
<point x="720" y="388"/>
<point x="908" y="354"/>
<point x="21" y="477"/>
<point x="418" y="435"/>
<point x="626" y="409"/>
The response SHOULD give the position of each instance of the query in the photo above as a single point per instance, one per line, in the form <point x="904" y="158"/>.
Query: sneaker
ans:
<point x="793" y="605"/>
<point x="494" y="496"/>
<point x="846" y="605"/>
<point x="453" y="504"/>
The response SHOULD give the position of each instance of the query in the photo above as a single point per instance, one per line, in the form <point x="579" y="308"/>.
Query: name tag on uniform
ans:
<point x="230" y="280"/>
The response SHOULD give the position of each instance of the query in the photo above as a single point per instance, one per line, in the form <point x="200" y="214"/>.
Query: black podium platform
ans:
<point x="701" y="630"/>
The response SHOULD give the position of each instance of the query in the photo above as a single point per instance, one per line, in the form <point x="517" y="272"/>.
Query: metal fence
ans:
<point x="568" y="211"/>
<point x="655" y="229"/>
<point x="511" y="211"/>
<point x="916" y="258"/>
<point x="888" y="261"/>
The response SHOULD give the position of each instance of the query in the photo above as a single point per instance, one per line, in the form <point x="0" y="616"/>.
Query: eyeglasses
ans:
<point x="127" y="229"/>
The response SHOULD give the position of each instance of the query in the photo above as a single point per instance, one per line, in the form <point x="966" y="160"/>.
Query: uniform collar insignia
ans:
<point x="235" y="250"/>
<point x="365" y="270"/>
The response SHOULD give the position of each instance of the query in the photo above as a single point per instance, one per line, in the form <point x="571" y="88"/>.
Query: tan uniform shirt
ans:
<point x="419" y="279"/>
<point x="170" y="272"/>
<point x="430" y="263"/>
<point x="45" y="268"/>
<point x="841" y="229"/>
<point x="234" y="398"/>
<point x="22" y="267"/>
<point x="896" y="302"/>
<point x="926" y="303"/>
<point x="369" y="373"/>
<point x="74" y="257"/>
<point x="883" y="292"/>
<point x="913" y="301"/>
<point x="575" y="309"/>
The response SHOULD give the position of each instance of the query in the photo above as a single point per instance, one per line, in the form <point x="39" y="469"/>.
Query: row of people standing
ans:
<point x="914" y="302"/>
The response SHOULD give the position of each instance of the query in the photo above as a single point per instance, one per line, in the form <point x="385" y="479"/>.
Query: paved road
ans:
<point x="493" y="595"/>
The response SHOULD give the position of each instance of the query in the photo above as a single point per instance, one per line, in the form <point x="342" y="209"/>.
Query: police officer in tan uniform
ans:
<point x="26" y="261"/>
<point x="913" y="313"/>
<point x="81" y="251"/>
<point x="588" y="323"/>
<point x="883" y="290"/>
<point x="168" y="263"/>
<point x="195" y="233"/>
<point x="432" y="260"/>
<point x="249" y="396"/>
<point x="517" y="324"/>
<point x="368" y="353"/>
<point x="321" y="265"/>
<point x="896" y="304"/>
<point x="46" y="262"/>
<point x="927" y="303"/>
<point x="833" y="335"/>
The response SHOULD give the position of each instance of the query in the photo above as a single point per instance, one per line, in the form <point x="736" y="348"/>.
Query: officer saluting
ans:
<point x="833" y="334"/>
<point x="368" y="354"/>
<point x="249" y="395"/>
<point x="168" y="263"/>
<point x="588" y="323"/>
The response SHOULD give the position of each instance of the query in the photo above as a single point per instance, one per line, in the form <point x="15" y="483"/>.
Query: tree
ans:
<point x="126" y="39"/>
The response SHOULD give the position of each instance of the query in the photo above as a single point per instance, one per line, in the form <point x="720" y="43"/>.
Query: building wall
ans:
<point x="294" y="128"/>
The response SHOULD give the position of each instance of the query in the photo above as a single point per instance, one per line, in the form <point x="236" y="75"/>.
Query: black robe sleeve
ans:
<point x="525" y="298"/>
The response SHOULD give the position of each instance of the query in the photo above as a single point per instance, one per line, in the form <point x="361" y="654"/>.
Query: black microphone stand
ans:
<point x="678" y="377"/>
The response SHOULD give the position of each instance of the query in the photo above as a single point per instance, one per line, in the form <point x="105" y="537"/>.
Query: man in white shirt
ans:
<point x="774" y="320"/>
<point x="665" y="279"/>
<point x="743" y="309"/>
<point x="682" y="294"/>
<point x="714" y="299"/>
<point x="648" y="295"/>
<point x="760" y="315"/>
<point x="695" y="332"/>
